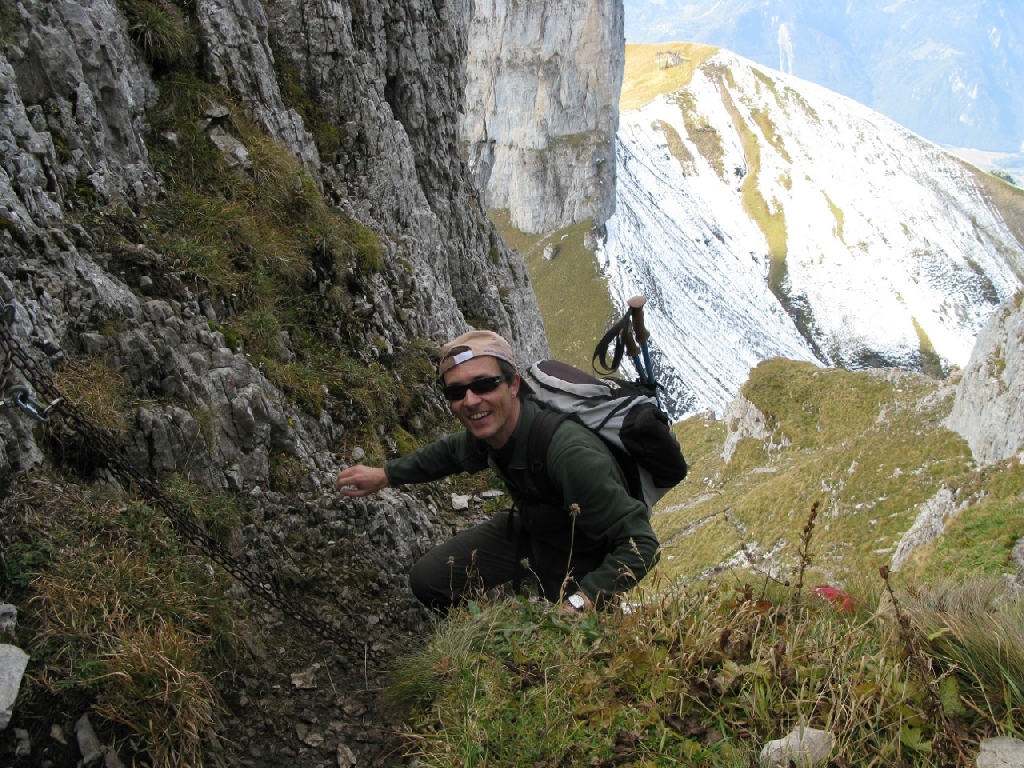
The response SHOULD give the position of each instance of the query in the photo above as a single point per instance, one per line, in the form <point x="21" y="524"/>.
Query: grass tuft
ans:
<point x="161" y="32"/>
<point x="116" y="615"/>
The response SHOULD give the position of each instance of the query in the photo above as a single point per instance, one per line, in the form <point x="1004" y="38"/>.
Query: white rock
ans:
<point x="13" y="661"/>
<point x="805" y="747"/>
<point x="24" y="744"/>
<point x="1001" y="752"/>
<point x="88" y="742"/>
<point x="929" y="525"/>
<point x="460" y="503"/>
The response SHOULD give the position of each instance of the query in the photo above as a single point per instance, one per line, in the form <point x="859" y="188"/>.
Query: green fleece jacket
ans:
<point x="610" y="547"/>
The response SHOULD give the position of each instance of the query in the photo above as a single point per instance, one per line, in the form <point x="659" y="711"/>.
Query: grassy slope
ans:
<point x="870" y="448"/>
<point x="643" y="80"/>
<point x="913" y="669"/>
<point x="572" y="295"/>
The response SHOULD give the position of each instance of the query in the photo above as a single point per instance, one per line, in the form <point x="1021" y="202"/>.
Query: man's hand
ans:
<point x="360" y="480"/>
<point x="568" y="609"/>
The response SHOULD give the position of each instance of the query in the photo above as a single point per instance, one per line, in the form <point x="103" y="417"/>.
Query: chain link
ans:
<point x="101" y="442"/>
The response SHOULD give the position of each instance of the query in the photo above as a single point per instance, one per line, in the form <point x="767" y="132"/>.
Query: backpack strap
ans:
<point x="617" y="335"/>
<point x="543" y="429"/>
<point x="544" y="426"/>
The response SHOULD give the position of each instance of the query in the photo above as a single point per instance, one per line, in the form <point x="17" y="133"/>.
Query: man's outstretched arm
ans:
<point x="361" y="480"/>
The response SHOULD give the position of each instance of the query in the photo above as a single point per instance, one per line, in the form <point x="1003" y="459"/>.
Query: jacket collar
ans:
<point x="512" y="455"/>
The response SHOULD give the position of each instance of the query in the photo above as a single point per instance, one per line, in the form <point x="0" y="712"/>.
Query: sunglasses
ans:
<point x="456" y="392"/>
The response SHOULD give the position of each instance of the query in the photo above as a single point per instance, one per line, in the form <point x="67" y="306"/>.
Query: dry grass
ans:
<point x="99" y="390"/>
<point x="114" y="612"/>
<point x="643" y="80"/>
<point x="699" y="675"/>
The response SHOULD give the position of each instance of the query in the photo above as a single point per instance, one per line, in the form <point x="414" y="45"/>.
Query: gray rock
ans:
<point x="88" y="742"/>
<point x="744" y="420"/>
<point x="542" y="109"/>
<point x="1018" y="559"/>
<point x="990" y="397"/>
<point x="1001" y="752"/>
<point x="23" y="746"/>
<point x="234" y="152"/>
<point x="305" y="680"/>
<point x="805" y="747"/>
<point x="13" y="662"/>
<point x="111" y="759"/>
<point x="8" y="619"/>
<point x="345" y="757"/>
<point x="57" y="734"/>
<point x="929" y="525"/>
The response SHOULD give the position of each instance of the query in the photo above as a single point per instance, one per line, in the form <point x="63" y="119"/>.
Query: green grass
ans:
<point x="705" y="675"/>
<point x="572" y="294"/>
<point x="161" y="32"/>
<point x="869" y="447"/>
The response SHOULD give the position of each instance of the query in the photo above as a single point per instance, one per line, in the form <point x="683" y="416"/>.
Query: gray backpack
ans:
<point x="623" y="414"/>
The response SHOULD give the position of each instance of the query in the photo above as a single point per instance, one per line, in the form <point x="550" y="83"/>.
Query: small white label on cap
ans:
<point x="463" y="356"/>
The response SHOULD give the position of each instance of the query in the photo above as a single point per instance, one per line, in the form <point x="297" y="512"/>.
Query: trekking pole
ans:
<point x="636" y="311"/>
<point x="633" y="351"/>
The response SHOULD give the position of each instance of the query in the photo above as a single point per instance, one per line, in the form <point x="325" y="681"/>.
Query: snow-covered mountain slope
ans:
<point x="765" y="216"/>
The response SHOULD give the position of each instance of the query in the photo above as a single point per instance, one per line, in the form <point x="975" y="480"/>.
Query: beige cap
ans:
<point x="474" y="344"/>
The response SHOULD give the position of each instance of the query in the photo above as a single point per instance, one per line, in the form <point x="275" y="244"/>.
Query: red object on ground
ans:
<point x="836" y="596"/>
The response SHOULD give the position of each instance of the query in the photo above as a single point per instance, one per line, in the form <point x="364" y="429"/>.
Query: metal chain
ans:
<point x="120" y="465"/>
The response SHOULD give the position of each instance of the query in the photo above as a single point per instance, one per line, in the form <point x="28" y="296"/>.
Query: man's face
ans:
<point x="492" y="416"/>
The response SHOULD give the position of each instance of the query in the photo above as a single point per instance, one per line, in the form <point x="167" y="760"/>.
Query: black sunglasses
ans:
<point x="456" y="392"/>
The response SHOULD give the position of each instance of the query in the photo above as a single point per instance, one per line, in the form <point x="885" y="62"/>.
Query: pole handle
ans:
<point x="636" y="310"/>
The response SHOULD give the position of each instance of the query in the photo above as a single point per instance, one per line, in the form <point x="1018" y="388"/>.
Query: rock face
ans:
<point x="929" y="525"/>
<point x="75" y="92"/>
<point x="990" y="397"/>
<point x="542" y="108"/>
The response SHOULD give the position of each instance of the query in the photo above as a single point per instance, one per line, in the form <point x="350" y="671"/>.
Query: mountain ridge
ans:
<point x="946" y="70"/>
<point x="799" y="223"/>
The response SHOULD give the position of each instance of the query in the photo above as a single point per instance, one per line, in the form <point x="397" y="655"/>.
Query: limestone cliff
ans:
<point x="542" y="108"/>
<point x="990" y="396"/>
<point x="386" y="78"/>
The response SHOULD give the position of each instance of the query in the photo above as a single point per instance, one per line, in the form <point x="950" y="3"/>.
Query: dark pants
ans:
<point x="480" y="558"/>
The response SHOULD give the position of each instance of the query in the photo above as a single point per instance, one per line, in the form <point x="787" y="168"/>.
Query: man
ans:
<point x="581" y="557"/>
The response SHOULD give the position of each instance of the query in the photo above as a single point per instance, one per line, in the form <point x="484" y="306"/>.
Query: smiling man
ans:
<point x="586" y="542"/>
